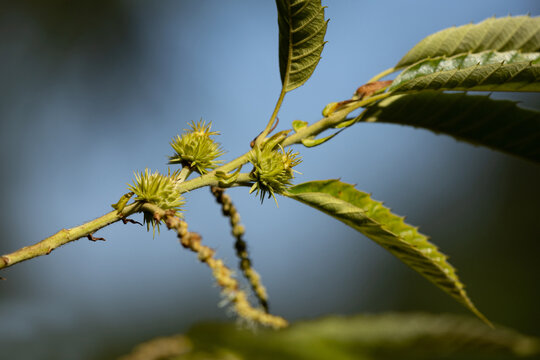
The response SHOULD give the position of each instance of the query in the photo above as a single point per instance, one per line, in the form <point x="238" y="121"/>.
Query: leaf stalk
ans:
<point x="270" y="124"/>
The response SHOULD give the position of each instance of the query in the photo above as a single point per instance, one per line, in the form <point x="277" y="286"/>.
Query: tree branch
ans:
<point x="64" y="236"/>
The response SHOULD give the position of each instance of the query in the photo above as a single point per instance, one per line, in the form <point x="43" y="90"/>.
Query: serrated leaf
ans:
<point x="520" y="33"/>
<point x="385" y="336"/>
<point x="498" y="124"/>
<point x="356" y="209"/>
<point x="301" y="40"/>
<point x="487" y="71"/>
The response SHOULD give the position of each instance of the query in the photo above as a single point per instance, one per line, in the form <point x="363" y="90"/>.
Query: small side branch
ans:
<point x="330" y="121"/>
<point x="65" y="236"/>
<point x="222" y="274"/>
<point x="228" y="209"/>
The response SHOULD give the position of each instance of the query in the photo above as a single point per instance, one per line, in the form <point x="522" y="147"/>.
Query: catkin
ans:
<point x="223" y="275"/>
<point x="228" y="209"/>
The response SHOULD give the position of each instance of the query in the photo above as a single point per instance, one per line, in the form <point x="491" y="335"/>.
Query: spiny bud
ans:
<point x="159" y="190"/>
<point x="196" y="149"/>
<point x="272" y="170"/>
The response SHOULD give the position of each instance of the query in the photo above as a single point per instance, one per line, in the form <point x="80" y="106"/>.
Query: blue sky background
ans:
<point x="94" y="91"/>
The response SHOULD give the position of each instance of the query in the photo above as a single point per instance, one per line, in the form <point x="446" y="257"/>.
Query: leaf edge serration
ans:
<point x="356" y="209"/>
<point x="300" y="37"/>
<point x="496" y="34"/>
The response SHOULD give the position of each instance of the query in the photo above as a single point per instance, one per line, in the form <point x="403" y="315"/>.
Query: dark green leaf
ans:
<point x="301" y="40"/>
<point x="497" y="124"/>
<point x="520" y="33"/>
<point x="162" y="348"/>
<point x="487" y="71"/>
<point x="356" y="209"/>
<point x="370" y="337"/>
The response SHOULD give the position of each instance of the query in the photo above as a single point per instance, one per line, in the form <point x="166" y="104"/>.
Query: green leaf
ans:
<point x="356" y="209"/>
<point x="487" y="71"/>
<point x="520" y="33"/>
<point x="384" y="336"/>
<point x="480" y="120"/>
<point x="301" y="40"/>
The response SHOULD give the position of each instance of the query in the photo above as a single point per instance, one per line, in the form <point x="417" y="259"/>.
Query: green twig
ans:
<point x="64" y="236"/>
<point x="330" y="121"/>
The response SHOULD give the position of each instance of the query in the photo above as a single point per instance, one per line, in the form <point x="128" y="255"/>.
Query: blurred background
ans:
<point x="92" y="90"/>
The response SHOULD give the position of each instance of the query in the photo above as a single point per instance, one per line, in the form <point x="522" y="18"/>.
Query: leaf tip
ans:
<point x="482" y="317"/>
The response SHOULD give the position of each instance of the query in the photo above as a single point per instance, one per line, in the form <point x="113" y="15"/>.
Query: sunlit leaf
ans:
<point x="356" y="209"/>
<point x="480" y="120"/>
<point x="487" y="71"/>
<point x="504" y="34"/>
<point x="301" y="40"/>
